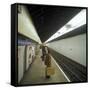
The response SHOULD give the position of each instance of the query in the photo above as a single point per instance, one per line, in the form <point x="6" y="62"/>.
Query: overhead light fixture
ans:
<point x="77" y="21"/>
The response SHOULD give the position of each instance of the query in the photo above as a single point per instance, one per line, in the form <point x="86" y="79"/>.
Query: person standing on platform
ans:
<point x="47" y="61"/>
<point x="43" y="52"/>
<point x="46" y="57"/>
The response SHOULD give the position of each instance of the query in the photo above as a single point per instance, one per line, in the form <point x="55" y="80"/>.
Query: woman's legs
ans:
<point x="47" y="76"/>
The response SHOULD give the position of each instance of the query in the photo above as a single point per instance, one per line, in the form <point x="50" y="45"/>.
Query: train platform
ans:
<point x="36" y="73"/>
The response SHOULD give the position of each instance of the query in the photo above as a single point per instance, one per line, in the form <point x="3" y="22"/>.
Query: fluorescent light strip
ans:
<point x="77" y="21"/>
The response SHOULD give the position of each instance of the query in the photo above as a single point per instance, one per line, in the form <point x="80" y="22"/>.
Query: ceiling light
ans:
<point x="77" y="21"/>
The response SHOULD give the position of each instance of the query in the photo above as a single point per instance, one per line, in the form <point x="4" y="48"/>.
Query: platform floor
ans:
<point x="36" y="73"/>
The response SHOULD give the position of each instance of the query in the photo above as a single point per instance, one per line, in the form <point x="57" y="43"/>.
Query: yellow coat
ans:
<point x="48" y="60"/>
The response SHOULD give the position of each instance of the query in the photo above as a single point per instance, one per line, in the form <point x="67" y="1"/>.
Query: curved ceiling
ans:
<point x="48" y="19"/>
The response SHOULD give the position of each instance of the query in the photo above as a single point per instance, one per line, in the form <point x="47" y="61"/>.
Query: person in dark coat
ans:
<point x="43" y="52"/>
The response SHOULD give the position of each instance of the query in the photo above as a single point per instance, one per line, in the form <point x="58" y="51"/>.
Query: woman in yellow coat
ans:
<point x="47" y="63"/>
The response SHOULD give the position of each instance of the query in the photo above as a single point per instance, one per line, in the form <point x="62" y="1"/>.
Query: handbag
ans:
<point x="50" y="71"/>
